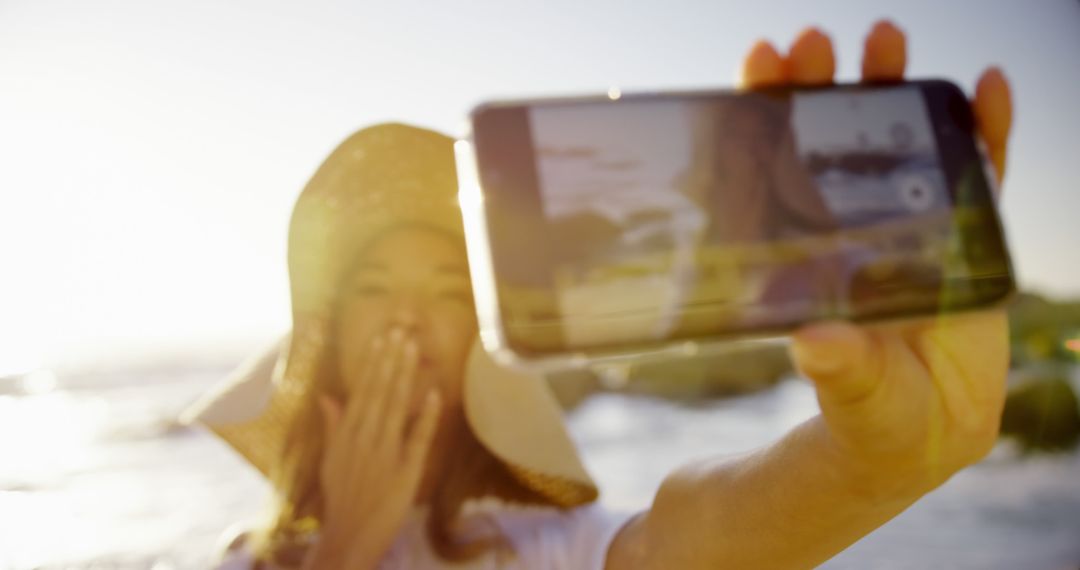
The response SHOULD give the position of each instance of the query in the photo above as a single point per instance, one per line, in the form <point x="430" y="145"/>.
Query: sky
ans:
<point x="152" y="151"/>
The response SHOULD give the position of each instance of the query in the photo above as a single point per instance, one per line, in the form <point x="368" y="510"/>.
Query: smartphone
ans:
<point x="622" y="225"/>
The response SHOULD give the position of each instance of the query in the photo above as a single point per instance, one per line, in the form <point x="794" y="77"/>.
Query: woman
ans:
<point x="393" y="442"/>
<point x="373" y="380"/>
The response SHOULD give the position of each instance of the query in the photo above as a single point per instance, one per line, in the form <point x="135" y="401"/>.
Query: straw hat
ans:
<point x="380" y="177"/>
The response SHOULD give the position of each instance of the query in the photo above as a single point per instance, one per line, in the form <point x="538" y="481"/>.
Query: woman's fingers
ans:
<point x="763" y="66"/>
<point x="377" y="411"/>
<point x="363" y="386"/>
<point x="386" y="372"/>
<point x="842" y="359"/>
<point x="884" y="53"/>
<point x="411" y="469"/>
<point x="398" y="404"/>
<point x="419" y="440"/>
<point x="370" y="471"/>
<point x="993" y="114"/>
<point x="811" y="60"/>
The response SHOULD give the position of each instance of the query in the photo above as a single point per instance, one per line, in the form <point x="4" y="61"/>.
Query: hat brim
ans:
<point x="512" y="414"/>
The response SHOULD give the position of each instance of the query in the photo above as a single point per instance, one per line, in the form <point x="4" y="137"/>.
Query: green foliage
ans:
<point x="1039" y="327"/>
<point x="712" y="376"/>
<point x="1043" y="414"/>
<point x="1037" y="412"/>
<point x="687" y="379"/>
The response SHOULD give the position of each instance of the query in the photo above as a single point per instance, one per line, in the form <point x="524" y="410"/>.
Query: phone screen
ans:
<point x="666" y="217"/>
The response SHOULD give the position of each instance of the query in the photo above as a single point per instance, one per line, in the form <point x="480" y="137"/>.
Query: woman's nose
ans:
<point x="408" y="312"/>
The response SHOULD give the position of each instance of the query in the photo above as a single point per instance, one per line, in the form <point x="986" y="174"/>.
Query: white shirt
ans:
<point x="543" y="538"/>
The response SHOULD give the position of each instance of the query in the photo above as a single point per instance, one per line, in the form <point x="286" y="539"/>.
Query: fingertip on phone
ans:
<point x="886" y="29"/>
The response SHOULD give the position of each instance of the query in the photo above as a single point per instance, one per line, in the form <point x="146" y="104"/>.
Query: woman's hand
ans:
<point x="372" y="464"/>
<point x="905" y="405"/>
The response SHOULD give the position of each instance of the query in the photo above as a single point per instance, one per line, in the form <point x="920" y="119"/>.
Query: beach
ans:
<point x="95" y="473"/>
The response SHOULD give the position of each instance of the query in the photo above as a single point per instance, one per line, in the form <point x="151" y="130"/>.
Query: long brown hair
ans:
<point x="472" y="472"/>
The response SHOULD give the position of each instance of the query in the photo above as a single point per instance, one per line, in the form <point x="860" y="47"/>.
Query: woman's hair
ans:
<point x="471" y="472"/>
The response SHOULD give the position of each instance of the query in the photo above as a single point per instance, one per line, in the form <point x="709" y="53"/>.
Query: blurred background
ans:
<point x="151" y="152"/>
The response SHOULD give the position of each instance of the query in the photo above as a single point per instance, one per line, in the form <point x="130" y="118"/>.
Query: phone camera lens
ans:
<point x="916" y="193"/>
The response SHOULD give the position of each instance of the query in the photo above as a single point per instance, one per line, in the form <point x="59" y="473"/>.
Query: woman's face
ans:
<point x="415" y="279"/>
